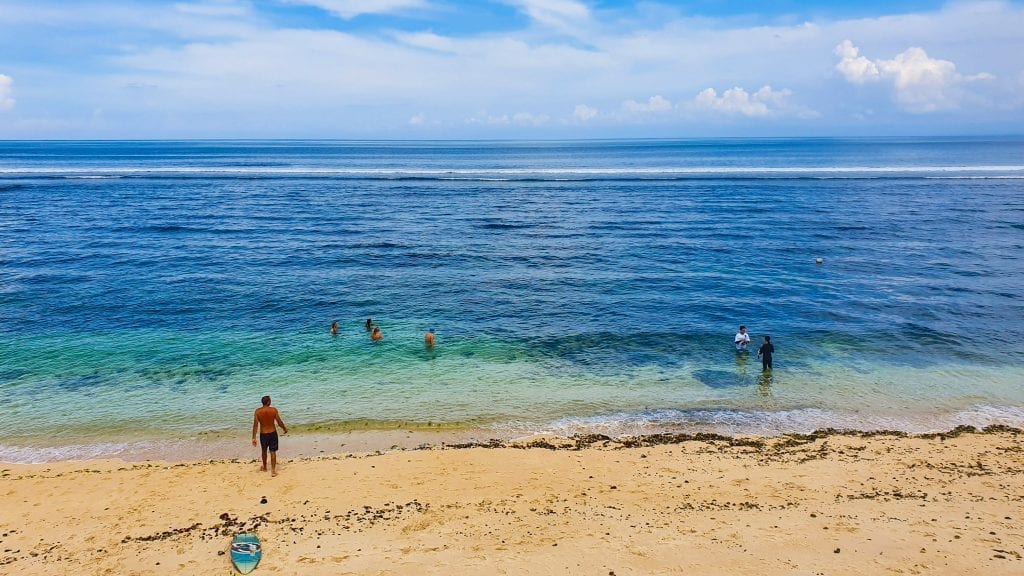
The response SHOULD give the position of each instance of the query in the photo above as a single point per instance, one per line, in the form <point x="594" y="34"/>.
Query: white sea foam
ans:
<point x="616" y="425"/>
<point x="981" y="416"/>
<point x="763" y="422"/>
<point x="42" y="454"/>
<point x="170" y="449"/>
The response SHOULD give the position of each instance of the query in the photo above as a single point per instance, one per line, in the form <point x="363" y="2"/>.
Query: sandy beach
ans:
<point x="828" y="503"/>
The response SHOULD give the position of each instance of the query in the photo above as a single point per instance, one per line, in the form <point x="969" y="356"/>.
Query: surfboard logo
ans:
<point x="245" y="552"/>
<point x="245" y="548"/>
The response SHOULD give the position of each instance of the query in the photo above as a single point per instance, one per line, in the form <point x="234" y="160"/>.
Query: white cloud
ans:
<point x="135" y="24"/>
<point x="216" y="8"/>
<point x="528" y="119"/>
<point x="583" y="113"/>
<point x="349" y="9"/>
<point x="921" y="83"/>
<point x="561" y="15"/>
<point x="656" y="103"/>
<point x="517" y="119"/>
<point x="422" y="121"/>
<point x="737" y="101"/>
<point x="6" y="102"/>
<point x="237" y="67"/>
<point x="428" y="40"/>
<point x="854" y="67"/>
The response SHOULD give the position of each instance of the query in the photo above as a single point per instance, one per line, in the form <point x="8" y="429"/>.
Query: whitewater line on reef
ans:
<point x="443" y="173"/>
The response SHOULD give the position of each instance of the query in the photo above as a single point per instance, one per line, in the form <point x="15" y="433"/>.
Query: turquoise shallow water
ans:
<point x="154" y="291"/>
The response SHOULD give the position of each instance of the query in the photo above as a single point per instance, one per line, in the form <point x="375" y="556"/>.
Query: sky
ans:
<point x="516" y="69"/>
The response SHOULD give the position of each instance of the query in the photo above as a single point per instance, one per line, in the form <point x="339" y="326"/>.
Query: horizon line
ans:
<point x="527" y="140"/>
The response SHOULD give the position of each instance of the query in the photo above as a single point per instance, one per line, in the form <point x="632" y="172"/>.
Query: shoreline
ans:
<point x="833" y="502"/>
<point x="318" y="443"/>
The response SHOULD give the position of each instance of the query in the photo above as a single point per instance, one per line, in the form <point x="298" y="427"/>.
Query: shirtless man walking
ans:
<point x="263" y="421"/>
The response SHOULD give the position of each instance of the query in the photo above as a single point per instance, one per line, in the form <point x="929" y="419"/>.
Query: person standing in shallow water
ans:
<point x="369" y="324"/>
<point x="428" y="338"/>
<point x="376" y="335"/>
<point x="742" y="339"/>
<point x="765" y="354"/>
<point x="263" y="422"/>
<point x="334" y="328"/>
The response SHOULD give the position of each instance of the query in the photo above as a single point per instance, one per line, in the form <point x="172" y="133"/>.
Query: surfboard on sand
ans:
<point x="245" y="552"/>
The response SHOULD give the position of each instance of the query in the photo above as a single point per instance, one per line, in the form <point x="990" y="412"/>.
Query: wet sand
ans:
<point x="827" y="503"/>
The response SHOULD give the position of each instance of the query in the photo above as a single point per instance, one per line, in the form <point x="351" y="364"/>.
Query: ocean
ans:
<point x="153" y="291"/>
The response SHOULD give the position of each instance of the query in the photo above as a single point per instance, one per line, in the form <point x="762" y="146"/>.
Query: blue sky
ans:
<point x="508" y="68"/>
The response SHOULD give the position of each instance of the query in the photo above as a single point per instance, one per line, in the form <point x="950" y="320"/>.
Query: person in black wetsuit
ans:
<point x="765" y="354"/>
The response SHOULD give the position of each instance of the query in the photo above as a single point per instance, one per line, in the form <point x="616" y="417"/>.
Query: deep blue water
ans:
<point x="154" y="288"/>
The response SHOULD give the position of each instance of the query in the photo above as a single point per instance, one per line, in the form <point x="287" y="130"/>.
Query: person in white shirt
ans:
<point x="742" y="339"/>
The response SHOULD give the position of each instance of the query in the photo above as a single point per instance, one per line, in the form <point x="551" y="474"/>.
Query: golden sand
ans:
<point x="858" y="504"/>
